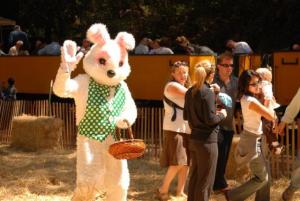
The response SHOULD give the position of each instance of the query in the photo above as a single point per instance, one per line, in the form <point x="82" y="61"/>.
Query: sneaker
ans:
<point x="288" y="194"/>
<point x="181" y="196"/>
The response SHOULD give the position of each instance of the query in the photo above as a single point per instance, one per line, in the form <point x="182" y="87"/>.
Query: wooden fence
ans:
<point x="148" y="126"/>
<point x="64" y="111"/>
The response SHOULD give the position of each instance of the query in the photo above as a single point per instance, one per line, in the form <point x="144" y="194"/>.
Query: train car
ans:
<point x="33" y="74"/>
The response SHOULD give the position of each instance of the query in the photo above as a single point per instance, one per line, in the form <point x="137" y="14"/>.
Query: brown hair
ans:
<point x="177" y="64"/>
<point x="225" y="55"/>
<point x="182" y="40"/>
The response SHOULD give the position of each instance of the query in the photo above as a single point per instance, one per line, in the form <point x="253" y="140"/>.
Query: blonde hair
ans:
<point x="203" y="70"/>
<point x="265" y="74"/>
<point x="207" y="65"/>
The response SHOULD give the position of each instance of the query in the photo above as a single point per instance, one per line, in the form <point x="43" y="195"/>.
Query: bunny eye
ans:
<point x="102" y="61"/>
<point x="121" y="63"/>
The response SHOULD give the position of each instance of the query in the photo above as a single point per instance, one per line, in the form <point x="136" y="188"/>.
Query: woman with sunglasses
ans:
<point x="249" y="149"/>
<point x="176" y="132"/>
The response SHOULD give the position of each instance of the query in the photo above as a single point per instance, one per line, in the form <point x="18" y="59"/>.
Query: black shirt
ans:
<point x="231" y="89"/>
<point x="200" y="112"/>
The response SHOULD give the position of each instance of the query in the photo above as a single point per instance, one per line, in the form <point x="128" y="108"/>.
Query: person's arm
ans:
<point x="10" y="39"/>
<point x="12" y="51"/>
<point x="211" y="117"/>
<point x="290" y="113"/>
<point x="178" y="91"/>
<point x="262" y="110"/>
<point x="63" y="85"/>
<point x="292" y="109"/>
<point x="185" y="108"/>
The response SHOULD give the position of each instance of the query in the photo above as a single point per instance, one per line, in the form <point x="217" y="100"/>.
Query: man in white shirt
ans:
<point x="16" y="50"/>
<point x="159" y="46"/>
<point x="240" y="47"/>
<point x="290" y="113"/>
<point x="142" y="47"/>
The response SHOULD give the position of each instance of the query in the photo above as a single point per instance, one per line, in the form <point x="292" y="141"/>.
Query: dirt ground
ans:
<point x="50" y="176"/>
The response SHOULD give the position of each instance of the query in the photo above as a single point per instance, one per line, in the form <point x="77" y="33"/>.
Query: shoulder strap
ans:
<point x="174" y="106"/>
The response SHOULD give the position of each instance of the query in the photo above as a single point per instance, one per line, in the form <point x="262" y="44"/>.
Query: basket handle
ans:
<point x="130" y="134"/>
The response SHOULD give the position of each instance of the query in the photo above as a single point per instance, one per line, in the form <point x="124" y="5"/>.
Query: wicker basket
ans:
<point x="127" y="149"/>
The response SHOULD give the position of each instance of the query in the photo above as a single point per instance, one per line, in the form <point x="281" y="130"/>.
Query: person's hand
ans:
<point x="280" y="128"/>
<point x="215" y="88"/>
<point x="69" y="58"/>
<point x="223" y="111"/>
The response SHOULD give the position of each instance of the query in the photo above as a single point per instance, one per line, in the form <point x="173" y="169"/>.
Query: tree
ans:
<point x="266" y="25"/>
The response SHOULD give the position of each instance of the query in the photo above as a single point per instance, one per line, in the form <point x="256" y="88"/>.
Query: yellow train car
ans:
<point x="149" y="74"/>
<point x="252" y="61"/>
<point x="286" y="75"/>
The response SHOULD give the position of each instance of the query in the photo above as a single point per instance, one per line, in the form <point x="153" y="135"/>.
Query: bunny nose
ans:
<point x="111" y="73"/>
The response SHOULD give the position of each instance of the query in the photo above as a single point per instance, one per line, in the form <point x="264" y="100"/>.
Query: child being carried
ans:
<point x="270" y="102"/>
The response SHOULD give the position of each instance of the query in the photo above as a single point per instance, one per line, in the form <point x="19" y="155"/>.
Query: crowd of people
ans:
<point x="18" y="44"/>
<point x="164" y="45"/>
<point x="198" y="126"/>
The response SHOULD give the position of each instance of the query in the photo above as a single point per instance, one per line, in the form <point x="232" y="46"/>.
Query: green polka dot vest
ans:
<point x="99" y="118"/>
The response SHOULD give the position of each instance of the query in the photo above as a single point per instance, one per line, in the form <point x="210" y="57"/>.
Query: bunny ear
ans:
<point x="98" y="33"/>
<point x="125" y="40"/>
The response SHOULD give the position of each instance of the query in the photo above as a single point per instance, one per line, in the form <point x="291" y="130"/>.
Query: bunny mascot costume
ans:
<point x="103" y="101"/>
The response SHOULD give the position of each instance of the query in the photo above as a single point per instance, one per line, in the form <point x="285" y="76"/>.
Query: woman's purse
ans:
<point x="127" y="149"/>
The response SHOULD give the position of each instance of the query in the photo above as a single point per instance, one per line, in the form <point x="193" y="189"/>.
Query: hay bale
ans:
<point x="32" y="133"/>
<point x="234" y="171"/>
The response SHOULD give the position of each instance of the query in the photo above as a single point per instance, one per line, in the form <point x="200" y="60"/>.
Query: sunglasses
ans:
<point x="180" y="63"/>
<point x="227" y="65"/>
<point x="255" y="84"/>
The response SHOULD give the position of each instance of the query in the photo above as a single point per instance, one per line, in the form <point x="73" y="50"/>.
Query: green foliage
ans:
<point x="266" y="25"/>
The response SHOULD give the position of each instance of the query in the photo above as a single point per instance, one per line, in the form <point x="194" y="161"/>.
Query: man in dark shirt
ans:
<point x="228" y="84"/>
<point x="18" y="34"/>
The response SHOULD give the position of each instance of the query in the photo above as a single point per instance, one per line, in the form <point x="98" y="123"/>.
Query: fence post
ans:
<point x="49" y="99"/>
<point x="298" y="138"/>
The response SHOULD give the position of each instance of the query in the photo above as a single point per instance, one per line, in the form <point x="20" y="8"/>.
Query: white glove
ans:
<point x="121" y="123"/>
<point x="69" y="59"/>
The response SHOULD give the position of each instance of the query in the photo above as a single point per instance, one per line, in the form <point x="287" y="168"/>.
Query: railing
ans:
<point x="283" y="165"/>
<point x="148" y="126"/>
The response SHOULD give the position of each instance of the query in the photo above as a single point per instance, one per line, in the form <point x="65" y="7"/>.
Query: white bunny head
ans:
<point x="107" y="60"/>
